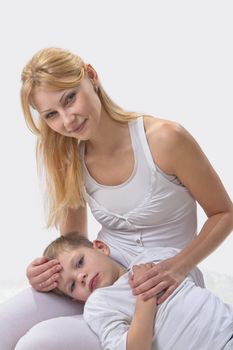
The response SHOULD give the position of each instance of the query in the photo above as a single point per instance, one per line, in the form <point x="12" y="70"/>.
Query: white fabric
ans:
<point x="59" y="333"/>
<point x="44" y="321"/>
<point x="153" y="211"/>
<point x="150" y="209"/>
<point x="192" y="318"/>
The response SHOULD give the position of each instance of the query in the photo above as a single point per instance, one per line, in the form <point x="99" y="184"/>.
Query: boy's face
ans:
<point x="86" y="269"/>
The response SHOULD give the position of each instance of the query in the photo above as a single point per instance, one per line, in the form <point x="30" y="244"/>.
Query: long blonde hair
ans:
<point x="57" y="69"/>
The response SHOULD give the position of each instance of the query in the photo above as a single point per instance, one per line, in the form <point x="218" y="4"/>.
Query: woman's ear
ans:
<point x="100" y="245"/>
<point x="91" y="73"/>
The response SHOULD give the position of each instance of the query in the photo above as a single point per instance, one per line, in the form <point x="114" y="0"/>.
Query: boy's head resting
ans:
<point x="86" y="266"/>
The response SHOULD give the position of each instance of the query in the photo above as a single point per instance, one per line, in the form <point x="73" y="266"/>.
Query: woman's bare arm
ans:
<point x="76" y="220"/>
<point x="176" y="152"/>
<point x="180" y="154"/>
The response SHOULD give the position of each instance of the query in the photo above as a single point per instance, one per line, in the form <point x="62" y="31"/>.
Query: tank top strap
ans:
<point x="139" y="141"/>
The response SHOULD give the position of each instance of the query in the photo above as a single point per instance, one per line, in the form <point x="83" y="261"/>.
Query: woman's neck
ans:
<point x="111" y="137"/>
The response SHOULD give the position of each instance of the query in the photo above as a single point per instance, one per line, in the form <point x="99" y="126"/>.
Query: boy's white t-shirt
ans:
<point x="191" y="318"/>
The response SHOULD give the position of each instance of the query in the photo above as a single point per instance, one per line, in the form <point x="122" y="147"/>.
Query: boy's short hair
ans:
<point x="69" y="242"/>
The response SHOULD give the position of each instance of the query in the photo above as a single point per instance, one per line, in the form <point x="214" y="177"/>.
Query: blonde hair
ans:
<point x="56" y="69"/>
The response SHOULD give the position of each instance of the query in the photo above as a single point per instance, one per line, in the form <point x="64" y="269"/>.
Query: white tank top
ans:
<point x="150" y="209"/>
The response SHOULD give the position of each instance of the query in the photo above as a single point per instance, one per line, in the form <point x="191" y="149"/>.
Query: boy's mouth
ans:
<point x="93" y="282"/>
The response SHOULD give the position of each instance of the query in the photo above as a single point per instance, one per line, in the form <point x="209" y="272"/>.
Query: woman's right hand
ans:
<point x="43" y="274"/>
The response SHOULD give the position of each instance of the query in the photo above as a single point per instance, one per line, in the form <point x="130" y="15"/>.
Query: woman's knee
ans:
<point x="26" y="309"/>
<point x="70" y="333"/>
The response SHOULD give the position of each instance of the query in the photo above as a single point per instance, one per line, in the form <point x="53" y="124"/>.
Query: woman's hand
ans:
<point x="161" y="280"/>
<point x="43" y="274"/>
<point x="138" y="272"/>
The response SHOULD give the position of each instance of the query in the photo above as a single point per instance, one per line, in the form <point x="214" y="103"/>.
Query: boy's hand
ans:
<point x="43" y="274"/>
<point x="140" y="270"/>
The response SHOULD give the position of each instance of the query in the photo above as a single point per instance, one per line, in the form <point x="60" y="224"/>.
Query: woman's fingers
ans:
<point x="163" y="290"/>
<point x="48" y="277"/>
<point x="48" y="284"/>
<point x="153" y="286"/>
<point x="160" y="279"/>
<point x="47" y="269"/>
<point x="48" y="288"/>
<point x="150" y="272"/>
<point x="36" y="268"/>
<point x="166" y="294"/>
<point x="43" y="274"/>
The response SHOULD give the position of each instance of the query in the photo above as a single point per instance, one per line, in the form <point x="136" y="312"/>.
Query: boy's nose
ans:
<point x="82" y="277"/>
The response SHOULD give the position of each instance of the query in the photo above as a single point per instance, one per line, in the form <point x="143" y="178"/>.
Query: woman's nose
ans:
<point x="68" y="119"/>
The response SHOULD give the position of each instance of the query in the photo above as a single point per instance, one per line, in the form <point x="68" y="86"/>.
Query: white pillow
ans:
<point x="220" y="284"/>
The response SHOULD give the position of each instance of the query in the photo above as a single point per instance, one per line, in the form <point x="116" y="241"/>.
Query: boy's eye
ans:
<point x="72" y="286"/>
<point x="80" y="262"/>
<point x="70" y="98"/>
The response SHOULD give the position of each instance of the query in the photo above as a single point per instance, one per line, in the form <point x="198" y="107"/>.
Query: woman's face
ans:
<point x="74" y="112"/>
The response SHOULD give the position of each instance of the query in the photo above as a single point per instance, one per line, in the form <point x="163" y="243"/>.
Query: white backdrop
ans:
<point x="172" y="59"/>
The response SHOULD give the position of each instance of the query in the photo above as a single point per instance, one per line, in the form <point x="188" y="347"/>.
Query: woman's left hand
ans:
<point x="161" y="280"/>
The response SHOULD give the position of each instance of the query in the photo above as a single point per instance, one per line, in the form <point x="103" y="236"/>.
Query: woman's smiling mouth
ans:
<point x="79" y="128"/>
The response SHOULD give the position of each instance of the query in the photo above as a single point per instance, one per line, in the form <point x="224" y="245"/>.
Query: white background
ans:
<point x="171" y="59"/>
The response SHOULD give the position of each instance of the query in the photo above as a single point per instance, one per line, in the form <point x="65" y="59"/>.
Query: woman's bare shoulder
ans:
<point x="162" y="128"/>
<point x="163" y="136"/>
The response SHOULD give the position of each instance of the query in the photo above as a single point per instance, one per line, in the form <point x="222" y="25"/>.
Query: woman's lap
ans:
<point x="61" y="333"/>
<point x="30" y="308"/>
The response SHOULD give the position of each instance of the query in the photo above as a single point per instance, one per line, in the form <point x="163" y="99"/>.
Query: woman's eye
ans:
<point x="80" y="262"/>
<point x="70" y="98"/>
<point x="50" y="115"/>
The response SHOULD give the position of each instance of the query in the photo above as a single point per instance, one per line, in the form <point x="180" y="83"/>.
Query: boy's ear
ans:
<point x="100" y="245"/>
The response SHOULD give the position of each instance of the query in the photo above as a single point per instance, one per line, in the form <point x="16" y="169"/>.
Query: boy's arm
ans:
<point x="141" y="329"/>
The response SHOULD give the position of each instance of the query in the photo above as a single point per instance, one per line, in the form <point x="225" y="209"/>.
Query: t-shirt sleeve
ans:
<point x="111" y="326"/>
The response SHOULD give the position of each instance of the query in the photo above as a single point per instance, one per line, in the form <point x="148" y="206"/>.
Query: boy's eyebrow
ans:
<point x="72" y="264"/>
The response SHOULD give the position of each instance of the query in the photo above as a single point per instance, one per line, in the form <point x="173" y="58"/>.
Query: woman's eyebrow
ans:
<point x="50" y="109"/>
<point x="47" y="110"/>
<point x="62" y="96"/>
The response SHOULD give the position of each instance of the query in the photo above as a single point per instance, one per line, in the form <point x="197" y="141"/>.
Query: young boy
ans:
<point x="192" y="318"/>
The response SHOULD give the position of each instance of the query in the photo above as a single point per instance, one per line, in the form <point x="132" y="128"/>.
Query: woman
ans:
<point x="141" y="177"/>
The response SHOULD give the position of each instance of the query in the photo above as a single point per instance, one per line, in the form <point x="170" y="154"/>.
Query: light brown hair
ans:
<point x="69" y="242"/>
